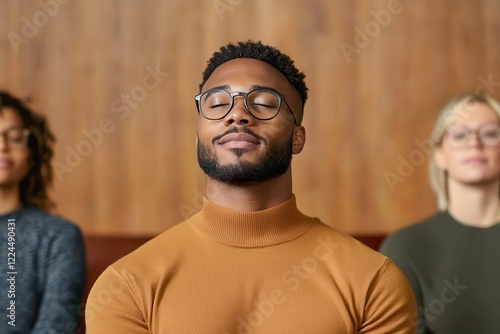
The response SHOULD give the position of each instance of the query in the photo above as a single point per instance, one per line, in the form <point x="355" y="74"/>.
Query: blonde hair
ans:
<point x="456" y="106"/>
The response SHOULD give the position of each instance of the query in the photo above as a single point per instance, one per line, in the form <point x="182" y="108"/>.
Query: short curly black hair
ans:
<point x="259" y="51"/>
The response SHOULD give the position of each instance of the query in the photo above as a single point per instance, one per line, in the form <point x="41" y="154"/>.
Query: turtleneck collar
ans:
<point x="272" y="226"/>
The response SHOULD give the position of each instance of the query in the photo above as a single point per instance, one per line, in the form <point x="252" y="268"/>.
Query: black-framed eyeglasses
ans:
<point x="261" y="103"/>
<point x="16" y="137"/>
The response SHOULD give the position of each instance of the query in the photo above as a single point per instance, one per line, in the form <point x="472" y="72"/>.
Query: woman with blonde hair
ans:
<point x="43" y="262"/>
<point x="452" y="258"/>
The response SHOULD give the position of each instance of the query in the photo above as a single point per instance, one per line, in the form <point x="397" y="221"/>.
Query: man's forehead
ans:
<point x="242" y="69"/>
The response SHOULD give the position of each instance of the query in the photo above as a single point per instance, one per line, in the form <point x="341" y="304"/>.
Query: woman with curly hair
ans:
<point x="42" y="254"/>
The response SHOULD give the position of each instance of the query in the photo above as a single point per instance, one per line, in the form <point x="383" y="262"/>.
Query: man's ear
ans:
<point x="440" y="159"/>
<point x="299" y="139"/>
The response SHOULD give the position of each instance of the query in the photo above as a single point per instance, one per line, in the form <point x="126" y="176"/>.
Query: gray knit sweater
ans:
<point x="42" y="270"/>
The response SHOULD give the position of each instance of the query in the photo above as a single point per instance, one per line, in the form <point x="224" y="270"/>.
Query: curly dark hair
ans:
<point x="259" y="51"/>
<point x="33" y="188"/>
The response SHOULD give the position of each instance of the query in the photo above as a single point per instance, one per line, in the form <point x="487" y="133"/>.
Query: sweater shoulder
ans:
<point x="166" y="243"/>
<point x="35" y="216"/>
<point x="347" y="248"/>
<point x="35" y="223"/>
<point x="342" y="238"/>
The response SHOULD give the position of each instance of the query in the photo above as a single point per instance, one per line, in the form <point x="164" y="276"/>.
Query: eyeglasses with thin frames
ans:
<point x="16" y="137"/>
<point x="458" y="136"/>
<point x="261" y="103"/>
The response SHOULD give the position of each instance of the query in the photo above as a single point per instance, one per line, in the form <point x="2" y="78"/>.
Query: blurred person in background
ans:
<point x="452" y="259"/>
<point x="43" y="261"/>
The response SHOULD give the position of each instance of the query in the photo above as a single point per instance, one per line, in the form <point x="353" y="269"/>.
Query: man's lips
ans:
<point x="238" y="137"/>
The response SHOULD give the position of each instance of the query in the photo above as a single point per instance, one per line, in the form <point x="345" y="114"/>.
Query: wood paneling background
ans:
<point x="87" y="65"/>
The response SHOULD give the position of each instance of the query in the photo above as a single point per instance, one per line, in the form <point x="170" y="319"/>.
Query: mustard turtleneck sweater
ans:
<point x="272" y="271"/>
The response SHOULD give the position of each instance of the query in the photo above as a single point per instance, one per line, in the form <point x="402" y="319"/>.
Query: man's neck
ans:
<point x="9" y="199"/>
<point x="475" y="205"/>
<point x="249" y="197"/>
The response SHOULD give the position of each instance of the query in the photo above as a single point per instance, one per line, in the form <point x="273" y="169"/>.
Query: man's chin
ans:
<point x="249" y="167"/>
<point x="230" y="154"/>
<point x="237" y="164"/>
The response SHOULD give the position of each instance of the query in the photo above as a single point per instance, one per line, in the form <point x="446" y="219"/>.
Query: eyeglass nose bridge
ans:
<point x="474" y="133"/>
<point x="245" y="102"/>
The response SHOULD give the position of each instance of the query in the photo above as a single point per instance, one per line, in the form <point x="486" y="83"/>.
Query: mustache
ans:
<point x="238" y="130"/>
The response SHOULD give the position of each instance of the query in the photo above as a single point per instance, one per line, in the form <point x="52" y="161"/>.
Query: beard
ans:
<point x="273" y="164"/>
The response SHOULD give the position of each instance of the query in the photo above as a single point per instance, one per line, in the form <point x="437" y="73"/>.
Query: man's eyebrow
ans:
<point x="224" y="87"/>
<point x="211" y="90"/>
<point x="262" y="87"/>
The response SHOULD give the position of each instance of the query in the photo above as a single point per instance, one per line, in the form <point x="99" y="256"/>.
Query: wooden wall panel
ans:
<point x="88" y="68"/>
